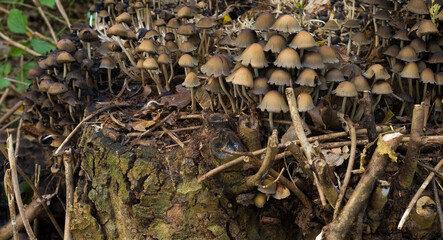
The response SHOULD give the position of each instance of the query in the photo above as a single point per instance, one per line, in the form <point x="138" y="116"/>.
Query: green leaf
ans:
<point x="17" y="52"/>
<point x="26" y="68"/>
<point x="41" y="46"/>
<point x="17" y="21"/>
<point x="5" y="69"/>
<point x="49" y="3"/>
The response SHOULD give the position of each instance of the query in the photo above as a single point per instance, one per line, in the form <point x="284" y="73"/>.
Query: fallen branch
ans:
<point x="9" y="192"/>
<point x="67" y="160"/>
<point x="417" y="195"/>
<point x="267" y="163"/>
<point x="348" y="169"/>
<point x="18" y="45"/>
<point x="407" y="170"/>
<point x="307" y="148"/>
<point x="386" y="146"/>
<point x="83" y="121"/>
<point x="11" y="110"/>
<point x="15" y="184"/>
<point x="33" y="210"/>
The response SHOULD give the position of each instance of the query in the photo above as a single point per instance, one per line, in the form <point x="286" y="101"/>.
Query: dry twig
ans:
<point x="417" y="196"/>
<point x="15" y="184"/>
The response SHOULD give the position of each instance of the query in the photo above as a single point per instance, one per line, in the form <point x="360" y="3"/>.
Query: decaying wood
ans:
<point x="407" y="170"/>
<point x="340" y="226"/>
<point x="271" y="151"/>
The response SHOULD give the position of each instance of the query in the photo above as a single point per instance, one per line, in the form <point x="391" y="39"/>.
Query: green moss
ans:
<point x="189" y="186"/>
<point x="219" y="232"/>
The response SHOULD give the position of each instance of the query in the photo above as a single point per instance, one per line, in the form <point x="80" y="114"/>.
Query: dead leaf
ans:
<point x="290" y="134"/>
<point x="180" y="100"/>
<point x="335" y="156"/>
<point x="316" y="117"/>
<point x="203" y="98"/>
<point x="141" y="126"/>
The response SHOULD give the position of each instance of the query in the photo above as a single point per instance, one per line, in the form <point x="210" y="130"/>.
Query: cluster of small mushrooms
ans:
<point x="242" y="64"/>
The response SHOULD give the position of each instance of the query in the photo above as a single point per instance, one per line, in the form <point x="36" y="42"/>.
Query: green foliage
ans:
<point x="5" y="69"/>
<point x="48" y="3"/>
<point x="17" y="52"/>
<point x="433" y="11"/>
<point x="300" y="4"/>
<point x="41" y="46"/>
<point x="17" y="21"/>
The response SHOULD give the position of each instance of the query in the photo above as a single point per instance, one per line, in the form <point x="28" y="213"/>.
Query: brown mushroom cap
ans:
<point x="303" y="40"/>
<point x="205" y="23"/>
<point x="171" y="46"/>
<point x="382" y="87"/>
<point x="360" y="84"/>
<point x="88" y="35"/>
<point x="107" y="63"/>
<point x="382" y="15"/>
<point x="434" y="47"/>
<point x="64" y="58"/>
<point x="334" y="75"/>
<point x="417" y="7"/>
<point x="191" y="80"/>
<point x="245" y="38"/>
<point x="407" y="54"/>
<point x="331" y="25"/>
<point x="439" y="78"/>
<point x="351" y="70"/>
<point x="274" y="102"/>
<point x="427" y="76"/>
<point x="378" y="71"/>
<point x="184" y="12"/>
<point x="173" y="23"/>
<point x="264" y="22"/>
<point x="66" y="45"/>
<point x="304" y="102"/>
<point x="360" y="38"/>
<point x="124" y="18"/>
<point x="287" y="24"/>
<point x="351" y="23"/>
<point x="384" y="32"/>
<point x="241" y="76"/>
<point x="186" y="29"/>
<point x="410" y="71"/>
<point x="345" y="89"/>
<point x="436" y="58"/>
<point x="57" y="88"/>
<point x="187" y="47"/>
<point x="150" y="64"/>
<point x="254" y="56"/>
<point x="118" y="30"/>
<point x="275" y="44"/>
<point x="148" y="46"/>
<point x="213" y="85"/>
<point x="164" y="59"/>
<point x="288" y="58"/>
<point x="402" y="35"/>
<point x="260" y="86"/>
<point x="329" y="55"/>
<point x="35" y="72"/>
<point x="216" y="66"/>
<point x="187" y="61"/>
<point x="313" y="60"/>
<point x="392" y="51"/>
<point x="426" y="27"/>
<point x="280" y="77"/>
<point x="398" y="67"/>
<point x="418" y="45"/>
<point x="307" y="78"/>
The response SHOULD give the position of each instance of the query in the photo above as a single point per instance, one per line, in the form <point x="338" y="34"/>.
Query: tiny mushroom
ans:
<point x="273" y="102"/>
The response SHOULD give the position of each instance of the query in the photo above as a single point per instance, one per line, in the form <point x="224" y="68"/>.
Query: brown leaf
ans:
<point x="141" y="126"/>
<point x="203" y="98"/>
<point x="180" y="100"/>
<point x="316" y="117"/>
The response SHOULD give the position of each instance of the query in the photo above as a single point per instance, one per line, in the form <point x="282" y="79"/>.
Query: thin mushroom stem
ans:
<point x="348" y="49"/>
<point x="193" y="99"/>
<point x="424" y="91"/>
<point x="220" y="100"/>
<point x="376" y="102"/>
<point x="417" y="91"/>
<point x="222" y="85"/>
<point x="245" y="93"/>
<point x="109" y="80"/>
<point x="329" y="38"/>
<point x="411" y="91"/>
<point x="271" y="120"/>
<point x="343" y="105"/>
